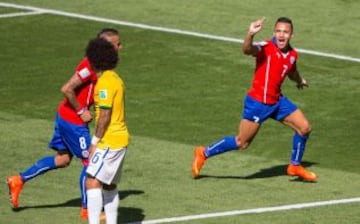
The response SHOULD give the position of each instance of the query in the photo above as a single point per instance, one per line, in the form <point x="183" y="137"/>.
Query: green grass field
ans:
<point x="183" y="91"/>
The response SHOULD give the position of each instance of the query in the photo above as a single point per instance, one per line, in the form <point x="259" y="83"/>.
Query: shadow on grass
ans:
<point x="125" y="213"/>
<point x="133" y="215"/>
<point x="274" y="171"/>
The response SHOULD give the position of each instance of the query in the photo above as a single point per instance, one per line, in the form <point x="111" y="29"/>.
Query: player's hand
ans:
<point x="86" y="116"/>
<point x="91" y="150"/>
<point x="302" y="84"/>
<point x="256" y="26"/>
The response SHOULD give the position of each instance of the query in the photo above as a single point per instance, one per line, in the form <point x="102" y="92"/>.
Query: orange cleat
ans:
<point x="85" y="216"/>
<point x="15" y="184"/>
<point x="199" y="160"/>
<point x="84" y="213"/>
<point x="301" y="172"/>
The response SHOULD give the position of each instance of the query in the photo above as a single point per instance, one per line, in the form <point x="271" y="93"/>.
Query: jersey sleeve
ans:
<point x="261" y="49"/>
<point x="84" y="71"/>
<point x="293" y="68"/>
<point x="106" y="93"/>
<point x="293" y="60"/>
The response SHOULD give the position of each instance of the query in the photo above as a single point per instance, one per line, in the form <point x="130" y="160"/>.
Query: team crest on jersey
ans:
<point x="292" y="60"/>
<point x="84" y="73"/>
<point x="103" y="94"/>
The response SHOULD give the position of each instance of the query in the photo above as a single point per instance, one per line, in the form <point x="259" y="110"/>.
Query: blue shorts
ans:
<point x="69" y="137"/>
<point x="258" y="112"/>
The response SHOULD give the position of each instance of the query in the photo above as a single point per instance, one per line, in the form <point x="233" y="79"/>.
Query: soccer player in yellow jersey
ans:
<point x="111" y="138"/>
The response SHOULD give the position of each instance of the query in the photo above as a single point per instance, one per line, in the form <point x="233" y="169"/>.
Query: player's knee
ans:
<point x="62" y="164"/>
<point x="62" y="161"/>
<point x="305" y="130"/>
<point x="242" y="145"/>
<point x="91" y="183"/>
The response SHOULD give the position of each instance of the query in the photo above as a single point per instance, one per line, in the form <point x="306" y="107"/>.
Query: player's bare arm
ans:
<point x="248" y="48"/>
<point x="100" y="129"/>
<point x="300" y="81"/>
<point x="68" y="89"/>
<point x="103" y="122"/>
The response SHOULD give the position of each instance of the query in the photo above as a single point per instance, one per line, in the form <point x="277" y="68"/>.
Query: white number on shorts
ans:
<point x="95" y="158"/>
<point x="82" y="142"/>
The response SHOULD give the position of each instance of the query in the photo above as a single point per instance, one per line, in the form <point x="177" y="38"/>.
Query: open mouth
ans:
<point x="281" y="41"/>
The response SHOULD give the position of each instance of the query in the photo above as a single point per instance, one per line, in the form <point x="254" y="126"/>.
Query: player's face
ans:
<point x="115" y="41"/>
<point x="282" y="34"/>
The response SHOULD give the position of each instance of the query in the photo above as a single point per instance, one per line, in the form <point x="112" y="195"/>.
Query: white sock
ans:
<point x="94" y="205"/>
<point x="111" y="204"/>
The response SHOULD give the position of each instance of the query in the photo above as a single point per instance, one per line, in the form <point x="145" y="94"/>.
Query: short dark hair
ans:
<point x="101" y="54"/>
<point x="285" y="20"/>
<point x="107" y="31"/>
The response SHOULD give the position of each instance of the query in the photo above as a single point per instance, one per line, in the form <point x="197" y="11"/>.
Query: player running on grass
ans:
<point x="71" y="135"/>
<point x="275" y="60"/>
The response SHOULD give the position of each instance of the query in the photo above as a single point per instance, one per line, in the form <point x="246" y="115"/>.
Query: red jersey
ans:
<point x="84" y="93"/>
<point x="272" y="66"/>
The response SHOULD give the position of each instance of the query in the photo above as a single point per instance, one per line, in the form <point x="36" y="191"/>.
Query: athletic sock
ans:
<point x="82" y="187"/>
<point x="111" y="204"/>
<point x="42" y="166"/>
<point x="298" y="149"/>
<point x="223" y="145"/>
<point x="94" y="205"/>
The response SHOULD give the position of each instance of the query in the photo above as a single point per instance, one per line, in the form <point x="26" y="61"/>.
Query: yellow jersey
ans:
<point x="109" y="93"/>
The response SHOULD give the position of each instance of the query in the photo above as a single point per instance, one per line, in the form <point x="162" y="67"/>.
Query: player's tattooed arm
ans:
<point x="103" y="122"/>
<point x="69" y="91"/>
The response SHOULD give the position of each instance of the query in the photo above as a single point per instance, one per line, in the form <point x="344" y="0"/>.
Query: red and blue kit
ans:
<point x="84" y="93"/>
<point x="71" y="133"/>
<point x="272" y="66"/>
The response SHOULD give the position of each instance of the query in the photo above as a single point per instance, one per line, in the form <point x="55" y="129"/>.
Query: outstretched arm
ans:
<point x="248" y="48"/>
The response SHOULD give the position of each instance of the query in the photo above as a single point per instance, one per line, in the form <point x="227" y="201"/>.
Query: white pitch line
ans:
<point x="16" y="14"/>
<point x="163" y="29"/>
<point x="36" y="10"/>
<point x="249" y="211"/>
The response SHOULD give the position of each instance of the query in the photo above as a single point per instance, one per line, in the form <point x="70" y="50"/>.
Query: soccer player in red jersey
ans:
<point x="275" y="60"/>
<point x="71" y="135"/>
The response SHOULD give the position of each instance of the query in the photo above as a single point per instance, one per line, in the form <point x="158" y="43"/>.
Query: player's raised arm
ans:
<point x="248" y="48"/>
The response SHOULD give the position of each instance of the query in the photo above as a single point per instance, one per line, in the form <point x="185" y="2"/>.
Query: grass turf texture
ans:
<point x="164" y="188"/>
<point x="181" y="91"/>
<point x="319" y="25"/>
